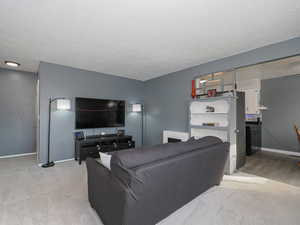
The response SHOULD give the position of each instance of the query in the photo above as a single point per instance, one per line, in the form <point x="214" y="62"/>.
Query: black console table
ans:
<point x="92" y="145"/>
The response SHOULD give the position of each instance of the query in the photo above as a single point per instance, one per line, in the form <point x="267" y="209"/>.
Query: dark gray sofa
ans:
<point x="145" y="185"/>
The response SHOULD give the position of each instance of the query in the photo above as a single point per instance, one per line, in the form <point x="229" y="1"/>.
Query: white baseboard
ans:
<point x="59" y="161"/>
<point x="64" y="160"/>
<point x="244" y="179"/>
<point x="17" y="155"/>
<point x="280" y="151"/>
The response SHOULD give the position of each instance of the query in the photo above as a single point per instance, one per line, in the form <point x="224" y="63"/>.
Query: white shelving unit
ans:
<point x="229" y="119"/>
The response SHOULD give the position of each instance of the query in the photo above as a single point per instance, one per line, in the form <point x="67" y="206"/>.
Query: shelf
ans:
<point x="204" y="97"/>
<point x="209" y="127"/>
<point x="210" y="113"/>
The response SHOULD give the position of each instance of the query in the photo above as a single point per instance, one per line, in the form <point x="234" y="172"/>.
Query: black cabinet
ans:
<point x="91" y="146"/>
<point x="253" y="137"/>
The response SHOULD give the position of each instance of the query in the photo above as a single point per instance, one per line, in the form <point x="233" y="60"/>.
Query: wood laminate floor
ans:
<point x="274" y="166"/>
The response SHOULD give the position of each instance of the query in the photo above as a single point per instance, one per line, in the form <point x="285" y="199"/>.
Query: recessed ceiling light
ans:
<point x="12" y="64"/>
<point x="203" y="81"/>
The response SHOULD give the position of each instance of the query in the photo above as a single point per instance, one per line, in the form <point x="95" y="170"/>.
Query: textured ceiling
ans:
<point x="140" y="39"/>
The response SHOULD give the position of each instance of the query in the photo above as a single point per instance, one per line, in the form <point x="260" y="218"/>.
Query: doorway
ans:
<point x="272" y="109"/>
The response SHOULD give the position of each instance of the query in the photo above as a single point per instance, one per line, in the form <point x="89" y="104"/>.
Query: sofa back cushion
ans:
<point x="136" y="157"/>
<point x="123" y="162"/>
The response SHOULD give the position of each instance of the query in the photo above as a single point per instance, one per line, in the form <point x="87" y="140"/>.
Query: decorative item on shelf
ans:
<point x="210" y="109"/>
<point x="212" y="92"/>
<point x="193" y="89"/>
<point x="79" y="135"/>
<point x="121" y="132"/>
<point x="211" y="124"/>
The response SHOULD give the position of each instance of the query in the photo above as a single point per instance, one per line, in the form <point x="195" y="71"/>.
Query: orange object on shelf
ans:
<point x="193" y="89"/>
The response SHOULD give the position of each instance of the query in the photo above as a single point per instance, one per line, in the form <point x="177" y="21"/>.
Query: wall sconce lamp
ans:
<point x="62" y="104"/>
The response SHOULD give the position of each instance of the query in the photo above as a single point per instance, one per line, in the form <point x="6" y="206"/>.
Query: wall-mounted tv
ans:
<point x="99" y="113"/>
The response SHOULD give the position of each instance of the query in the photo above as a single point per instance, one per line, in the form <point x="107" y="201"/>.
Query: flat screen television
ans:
<point x="99" y="113"/>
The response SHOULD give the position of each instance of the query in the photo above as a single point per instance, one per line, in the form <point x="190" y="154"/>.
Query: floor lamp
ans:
<point x="140" y="109"/>
<point x="62" y="104"/>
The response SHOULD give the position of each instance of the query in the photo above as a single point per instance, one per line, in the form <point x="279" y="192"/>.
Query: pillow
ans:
<point x="105" y="160"/>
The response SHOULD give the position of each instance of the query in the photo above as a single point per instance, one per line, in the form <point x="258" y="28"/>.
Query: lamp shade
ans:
<point x="136" y="107"/>
<point x="63" y="104"/>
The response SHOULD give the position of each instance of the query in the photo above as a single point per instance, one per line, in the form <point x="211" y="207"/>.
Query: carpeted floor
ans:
<point x="30" y="195"/>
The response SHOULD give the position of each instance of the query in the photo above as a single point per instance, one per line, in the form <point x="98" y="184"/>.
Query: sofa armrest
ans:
<point x="107" y="195"/>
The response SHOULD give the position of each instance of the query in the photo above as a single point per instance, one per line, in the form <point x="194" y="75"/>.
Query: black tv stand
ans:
<point x="92" y="145"/>
<point x="103" y="136"/>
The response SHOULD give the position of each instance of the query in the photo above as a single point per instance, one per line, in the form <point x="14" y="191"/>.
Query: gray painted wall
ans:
<point x="167" y="97"/>
<point x="56" y="81"/>
<point x="281" y="96"/>
<point x="17" y="112"/>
